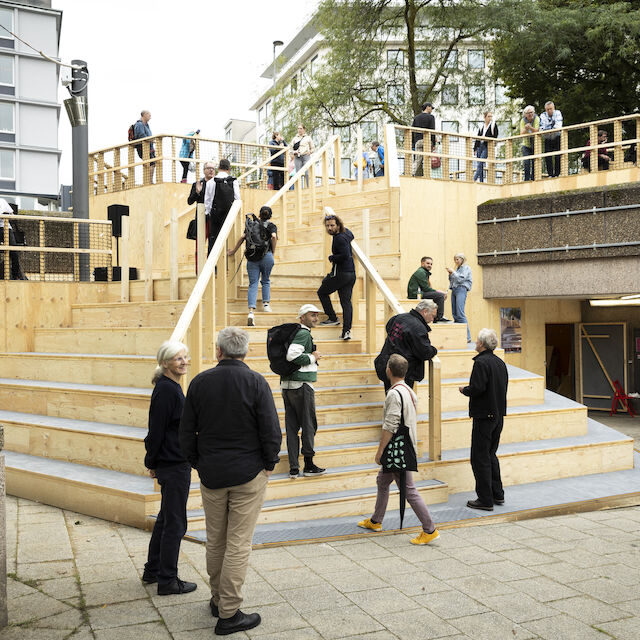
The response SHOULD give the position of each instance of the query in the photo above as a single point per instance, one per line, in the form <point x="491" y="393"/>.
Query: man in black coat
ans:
<point x="423" y="120"/>
<point x="408" y="335"/>
<point x="198" y="188"/>
<point x="487" y="391"/>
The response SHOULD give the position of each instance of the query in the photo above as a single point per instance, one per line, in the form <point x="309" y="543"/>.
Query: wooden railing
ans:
<point x="58" y="248"/>
<point x="156" y="159"/>
<point x="452" y="157"/>
<point x="374" y="283"/>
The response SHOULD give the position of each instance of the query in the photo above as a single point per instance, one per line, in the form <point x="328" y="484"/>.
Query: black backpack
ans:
<point x="278" y="341"/>
<point x="223" y="197"/>
<point x="257" y="238"/>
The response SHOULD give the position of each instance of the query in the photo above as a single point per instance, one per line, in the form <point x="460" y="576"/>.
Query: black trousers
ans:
<point x="215" y="226"/>
<point x="553" y="163"/>
<point x="343" y="284"/>
<point x="15" y="271"/>
<point x="485" y="438"/>
<point x="171" y="524"/>
<point x="438" y="298"/>
<point x="185" y="168"/>
<point x="278" y="179"/>
<point x="300" y="413"/>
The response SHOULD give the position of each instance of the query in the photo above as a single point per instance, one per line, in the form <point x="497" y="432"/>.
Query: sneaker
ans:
<point x="367" y="524"/>
<point x="313" y="470"/>
<point x="426" y="538"/>
<point x="329" y="323"/>
<point x="293" y="473"/>
<point x="267" y="308"/>
<point x="250" y="320"/>
<point x="476" y="504"/>
<point x="183" y="181"/>
<point x="176" y="587"/>
<point x="346" y="335"/>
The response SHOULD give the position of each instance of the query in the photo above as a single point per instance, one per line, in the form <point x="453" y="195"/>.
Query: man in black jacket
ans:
<point x="423" y="120"/>
<point x="230" y="433"/>
<point x="408" y="335"/>
<point x="198" y="188"/>
<point x="487" y="391"/>
<point x="341" y="278"/>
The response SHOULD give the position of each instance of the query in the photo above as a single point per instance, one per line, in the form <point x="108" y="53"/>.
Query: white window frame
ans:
<point x="13" y="172"/>
<point x="442" y="92"/>
<point x="396" y="59"/>
<point x="472" y="51"/>
<point x="13" y="70"/>
<point x="5" y="34"/>
<point x="475" y="87"/>
<point x="13" y="117"/>
<point x="260" y="115"/>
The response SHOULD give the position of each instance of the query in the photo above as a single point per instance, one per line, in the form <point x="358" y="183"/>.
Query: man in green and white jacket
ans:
<point x="299" y="395"/>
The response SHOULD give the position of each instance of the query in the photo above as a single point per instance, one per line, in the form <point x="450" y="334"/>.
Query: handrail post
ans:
<point x="7" y="257"/>
<point x="491" y="162"/>
<point x="468" y="163"/>
<point x="174" y="289"/>
<point x="359" y="158"/>
<point x="148" y="256"/>
<point x="312" y="185"/>
<point x="564" y="157"/>
<point x="593" y="156"/>
<point x="42" y="244"/>
<point x="76" y="256"/>
<point x="391" y="167"/>
<point x="220" y="302"/>
<point x="508" y="164"/>
<point x="298" y="188"/>
<point x="435" y="410"/>
<point x="202" y="241"/>
<point x="618" y="155"/>
<point x="173" y="155"/>
<point x="337" y="160"/>
<point x="124" y="269"/>
<point x="370" y="313"/>
<point x="537" y="162"/>
<point x="446" y="164"/>
<point x="194" y="343"/>
<point x="284" y="223"/>
<point x="325" y="175"/>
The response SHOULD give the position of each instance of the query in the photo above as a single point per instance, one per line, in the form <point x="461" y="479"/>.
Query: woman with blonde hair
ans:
<point x="460" y="284"/>
<point x="170" y="468"/>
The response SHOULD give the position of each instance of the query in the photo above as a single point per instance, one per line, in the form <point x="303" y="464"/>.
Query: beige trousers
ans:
<point x="231" y="515"/>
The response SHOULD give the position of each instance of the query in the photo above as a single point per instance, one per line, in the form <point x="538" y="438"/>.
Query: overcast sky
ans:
<point x="192" y="63"/>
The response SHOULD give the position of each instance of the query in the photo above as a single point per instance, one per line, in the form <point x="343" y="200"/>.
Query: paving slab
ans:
<point x="147" y="631"/>
<point x="563" y="627"/>
<point x="591" y="611"/>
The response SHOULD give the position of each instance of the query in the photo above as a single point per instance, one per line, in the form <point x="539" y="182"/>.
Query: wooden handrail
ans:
<point x="19" y="216"/>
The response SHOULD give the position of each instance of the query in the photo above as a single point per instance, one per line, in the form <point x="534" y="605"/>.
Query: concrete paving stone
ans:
<point x="450" y="604"/>
<point x="82" y="633"/>
<point x="514" y="531"/>
<point x="29" y="506"/>
<point x="330" y="564"/>
<point x="629" y="628"/>
<point x="316" y="597"/>
<point x="597" y="544"/>
<point x="31" y="633"/>
<point x="491" y="626"/>
<point x="591" y="611"/>
<point x="480" y="584"/>
<point x="621" y="573"/>
<point x="276" y="618"/>
<point x="354" y="580"/>
<point x="46" y="570"/>
<point x="292" y="578"/>
<point x="70" y="619"/>
<point x="624" y="524"/>
<point x="259" y="593"/>
<point x="417" y="624"/>
<point x="312" y="550"/>
<point x="526" y="557"/>
<point x="359" y="538"/>
<point x="518" y="607"/>
<point x="565" y="573"/>
<point x="376" y="635"/>
<point x="105" y="572"/>
<point x="563" y="533"/>
<point x="417" y="583"/>
<point x="307" y="633"/>
<point x="43" y="552"/>
<point x="447" y="540"/>
<point x="73" y="602"/>
<point x="607" y="590"/>
<point x="390" y="565"/>
<point x="548" y="545"/>
<point x="60" y="588"/>
<point x="632" y="606"/>
<point x="201" y="634"/>
<point x="252" y="576"/>
<point x="631" y="559"/>
<point x="563" y="627"/>
<point x="364" y="550"/>
<point x="582" y="558"/>
<point x="447" y="569"/>
<point x="474" y="555"/>
<point x="420" y="553"/>
<point x="123" y="614"/>
<point x="507" y="570"/>
<point x="496" y="542"/>
<point x="147" y="631"/>
<point x="388" y="541"/>
<point x="344" y="622"/>
<point x="273" y="559"/>
<point x="203" y="592"/>
<point x="124" y="590"/>
<point x="16" y="589"/>
<point x="41" y="517"/>
<point x="34" y="607"/>
<point x="543" y="589"/>
<point x="379" y="601"/>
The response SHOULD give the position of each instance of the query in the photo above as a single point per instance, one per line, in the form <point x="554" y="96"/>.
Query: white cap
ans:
<point x="305" y="308"/>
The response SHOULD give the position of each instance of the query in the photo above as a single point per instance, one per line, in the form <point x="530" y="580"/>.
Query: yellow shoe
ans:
<point x="426" y="538"/>
<point x="367" y="524"/>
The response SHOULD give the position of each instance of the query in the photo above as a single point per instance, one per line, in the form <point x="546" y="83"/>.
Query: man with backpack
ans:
<point x="261" y="237"/>
<point x="218" y="198"/>
<point x="293" y="355"/>
<point x="141" y="129"/>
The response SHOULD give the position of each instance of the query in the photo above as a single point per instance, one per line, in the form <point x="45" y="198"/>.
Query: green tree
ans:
<point x="582" y="54"/>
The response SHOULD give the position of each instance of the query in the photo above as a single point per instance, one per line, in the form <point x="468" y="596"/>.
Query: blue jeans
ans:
<point x="528" y="164"/>
<point x="260" y="270"/>
<point x="482" y="152"/>
<point x="458" y="298"/>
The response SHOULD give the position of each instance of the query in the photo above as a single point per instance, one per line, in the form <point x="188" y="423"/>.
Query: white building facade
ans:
<point x="29" y="107"/>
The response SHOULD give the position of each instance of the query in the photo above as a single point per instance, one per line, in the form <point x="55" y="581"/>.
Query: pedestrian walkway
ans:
<point x="560" y="578"/>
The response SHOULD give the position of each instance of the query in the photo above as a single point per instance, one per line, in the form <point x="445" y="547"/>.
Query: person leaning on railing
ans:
<point x="278" y="143"/>
<point x="604" y="159"/>
<point x="488" y="130"/>
<point x="302" y="146"/>
<point x="551" y="120"/>
<point x="186" y="151"/>
<point x="16" y="272"/>
<point x="530" y="123"/>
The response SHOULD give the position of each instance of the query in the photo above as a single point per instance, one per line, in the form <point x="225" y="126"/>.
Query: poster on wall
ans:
<point x="511" y="329"/>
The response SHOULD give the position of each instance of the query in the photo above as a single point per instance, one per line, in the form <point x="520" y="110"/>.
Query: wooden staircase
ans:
<point x="75" y="409"/>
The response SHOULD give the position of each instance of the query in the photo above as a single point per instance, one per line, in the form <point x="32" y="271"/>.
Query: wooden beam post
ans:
<point x="435" y="410"/>
<point x="564" y="157"/>
<point x="148" y="256"/>
<point x="124" y="269"/>
<point x="174" y="286"/>
<point x="370" y="314"/>
<point x="203" y="241"/>
<point x="76" y="256"/>
<point x="359" y="152"/>
<point x="42" y="244"/>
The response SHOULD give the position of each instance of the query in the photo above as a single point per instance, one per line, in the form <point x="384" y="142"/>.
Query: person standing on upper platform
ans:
<point x="423" y="120"/>
<point x="219" y="196"/>
<point x="419" y="282"/>
<point x="551" y="121"/>
<point x="487" y="392"/>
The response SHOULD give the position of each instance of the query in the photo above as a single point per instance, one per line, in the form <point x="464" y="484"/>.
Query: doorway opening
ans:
<point x="559" y="350"/>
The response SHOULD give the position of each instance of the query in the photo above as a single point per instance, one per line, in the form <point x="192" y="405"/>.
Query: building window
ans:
<point x="505" y="128"/>
<point x="449" y="94"/>
<point x="261" y="115"/>
<point x="501" y="95"/>
<point x="313" y="67"/>
<point x="474" y="125"/>
<point x="423" y="58"/>
<point x="395" y="57"/>
<point x="345" y="167"/>
<point x="6" y="118"/>
<point x="395" y="94"/>
<point x="451" y="61"/>
<point x="267" y="109"/>
<point x="476" y="94"/>
<point x="451" y="126"/>
<point x="369" y="131"/>
<point x="369" y="95"/>
<point x="422" y="92"/>
<point x="7" y="171"/>
<point x="294" y="84"/>
<point x="6" y="70"/>
<point x="475" y="59"/>
<point x="6" y="20"/>
<point x="343" y="132"/>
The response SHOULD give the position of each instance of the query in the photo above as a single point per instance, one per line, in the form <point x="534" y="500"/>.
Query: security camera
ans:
<point x="65" y="76"/>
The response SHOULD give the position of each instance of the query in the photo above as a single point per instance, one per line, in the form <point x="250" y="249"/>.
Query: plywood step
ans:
<point x="131" y="314"/>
